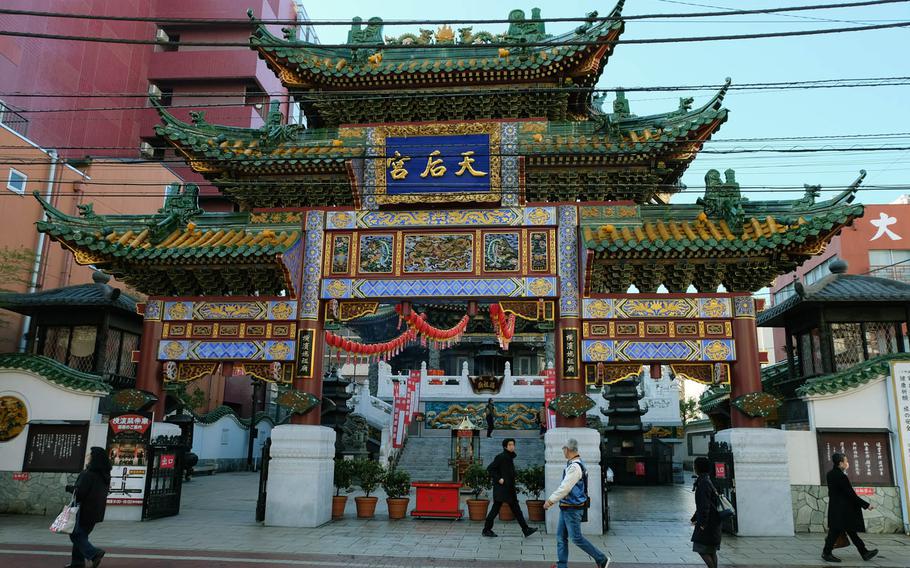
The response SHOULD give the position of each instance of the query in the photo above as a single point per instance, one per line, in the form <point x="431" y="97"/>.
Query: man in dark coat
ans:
<point x="502" y="472"/>
<point x="845" y="511"/>
<point x="90" y="493"/>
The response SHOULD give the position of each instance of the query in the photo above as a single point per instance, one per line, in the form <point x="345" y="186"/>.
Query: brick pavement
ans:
<point x="217" y="521"/>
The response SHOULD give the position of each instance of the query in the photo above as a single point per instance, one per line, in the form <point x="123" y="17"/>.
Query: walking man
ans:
<point x="845" y="511"/>
<point x="572" y="496"/>
<point x="491" y="417"/>
<point x="502" y="471"/>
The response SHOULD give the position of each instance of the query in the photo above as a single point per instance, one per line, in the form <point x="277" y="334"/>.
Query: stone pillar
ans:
<point x="301" y="476"/>
<point x="764" y="506"/>
<point x="149" y="374"/>
<point x="746" y="371"/>
<point x="373" y="378"/>
<point x="589" y="449"/>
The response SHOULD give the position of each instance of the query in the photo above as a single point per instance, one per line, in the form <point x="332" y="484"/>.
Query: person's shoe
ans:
<point x="529" y="531"/>
<point x="869" y="554"/>
<point x="828" y="557"/>
<point x="74" y="566"/>
<point x="489" y="533"/>
<point x="96" y="561"/>
<point x="605" y="564"/>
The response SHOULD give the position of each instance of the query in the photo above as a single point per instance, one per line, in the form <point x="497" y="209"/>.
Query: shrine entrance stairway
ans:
<point x="427" y="458"/>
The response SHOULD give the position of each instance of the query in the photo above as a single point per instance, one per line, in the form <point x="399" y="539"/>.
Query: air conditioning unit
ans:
<point x="154" y="91"/>
<point x="161" y="36"/>
<point x="146" y="150"/>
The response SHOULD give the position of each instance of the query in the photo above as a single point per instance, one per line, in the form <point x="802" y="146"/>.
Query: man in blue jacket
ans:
<point x="572" y="496"/>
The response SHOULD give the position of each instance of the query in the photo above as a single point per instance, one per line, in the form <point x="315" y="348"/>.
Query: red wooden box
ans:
<point x="438" y="499"/>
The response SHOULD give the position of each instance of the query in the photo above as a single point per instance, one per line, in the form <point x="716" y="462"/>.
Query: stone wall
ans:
<point x="41" y="494"/>
<point x="810" y="509"/>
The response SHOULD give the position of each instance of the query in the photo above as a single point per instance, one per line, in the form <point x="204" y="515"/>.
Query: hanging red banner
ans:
<point x="399" y="413"/>
<point x="413" y="394"/>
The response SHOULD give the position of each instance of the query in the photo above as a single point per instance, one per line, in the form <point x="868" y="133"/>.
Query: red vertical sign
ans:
<point x="399" y="413"/>
<point x="720" y="470"/>
<point x="413" y="389"/>
<point x="549" y="393"/>
<point x="640" y="469"/>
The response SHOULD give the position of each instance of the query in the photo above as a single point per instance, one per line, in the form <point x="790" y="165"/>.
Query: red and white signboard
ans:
<point x="549" y="393"/>
<point x="720" y="470"/>
<point x="167" y="461"/>
<point x="20" y="476"/>
<point x="130" y="423"/>
<point x="413" y="394"/>
<point x="864" y="490"/>
<point x="399" y="413"/>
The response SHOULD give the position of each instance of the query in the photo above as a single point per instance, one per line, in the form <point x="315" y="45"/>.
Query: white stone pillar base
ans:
<point x="589" y="449"/>
<point x="301" y="476"/>
<point x="764" y="506"/>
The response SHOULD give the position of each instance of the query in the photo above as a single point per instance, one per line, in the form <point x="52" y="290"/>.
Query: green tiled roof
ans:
<point x="714" y="397"/>
<point x="851" y="378"/>
<point x="87" y="295"/>
<point x="222" y="411"/>
<point x="54" y="371"/>
<point x="428" y="56"/>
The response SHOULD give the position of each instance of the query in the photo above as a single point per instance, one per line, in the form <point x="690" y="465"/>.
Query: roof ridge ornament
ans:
<point x="723" y="199"/>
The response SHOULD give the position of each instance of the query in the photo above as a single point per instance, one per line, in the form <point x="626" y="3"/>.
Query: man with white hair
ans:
<point x="572" y="496"/>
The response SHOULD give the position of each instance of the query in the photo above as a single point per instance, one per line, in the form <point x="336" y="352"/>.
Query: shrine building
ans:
<point x="477" y="194"/>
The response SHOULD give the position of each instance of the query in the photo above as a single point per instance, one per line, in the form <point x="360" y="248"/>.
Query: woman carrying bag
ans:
<point x="90" y="495"/>
<point x="706" y="536"/>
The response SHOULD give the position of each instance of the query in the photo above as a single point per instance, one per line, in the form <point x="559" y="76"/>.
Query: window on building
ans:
<point x="12" y="119"/>
<point x="893" y="264"/>
<point x="525" y="366"/>
<point x="166" y="40"/>
<point x="784" y="293"/>
<point x="819" y="271"/>
<point x="881" y="337"/>
<point x="16" y="181"/>
<point x="847" y="341"/>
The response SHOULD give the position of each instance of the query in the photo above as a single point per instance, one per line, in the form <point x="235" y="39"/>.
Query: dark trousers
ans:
<point x="82" y="548"/>
<point x="516" y="511"/>
<point x="854" y="538"/>
<point x="490" y="422"/>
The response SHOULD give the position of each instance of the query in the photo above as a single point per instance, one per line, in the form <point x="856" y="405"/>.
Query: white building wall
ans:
<point x="863" y="407"/>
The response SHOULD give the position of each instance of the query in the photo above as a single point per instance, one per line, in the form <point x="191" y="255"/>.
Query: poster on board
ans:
<point x="128" y="439"/>
<point x="900" y="420"/>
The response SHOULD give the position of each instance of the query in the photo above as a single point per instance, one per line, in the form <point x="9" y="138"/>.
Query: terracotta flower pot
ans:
<point x="535" y="510"/>
<point x="366" y="506"/>
<point x="397" y="507"/>
<point x="477" y="509"/>
<point x="338" y="504"/>
<point x="505" y="513"/>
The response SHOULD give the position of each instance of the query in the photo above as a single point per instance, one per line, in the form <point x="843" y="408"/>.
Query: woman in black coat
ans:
<point x="706" y="536"/>
<point x="90" y="493"/>
<point x="845" y="510"/>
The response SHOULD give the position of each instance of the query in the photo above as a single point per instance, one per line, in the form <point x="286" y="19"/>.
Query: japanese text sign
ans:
<point x="437" y="164"/>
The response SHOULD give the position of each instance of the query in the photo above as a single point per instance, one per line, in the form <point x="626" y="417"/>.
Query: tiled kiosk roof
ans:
<point x="54" y="371"/>
<point x="607" y="156"/>
<point x="851" y="378"/>
<point x="96" y="295"/>
<point x="723" y="239"/>
<point x="440" y="60"/>
<point x="178" y="250"/>
<point x="836" y="288"/>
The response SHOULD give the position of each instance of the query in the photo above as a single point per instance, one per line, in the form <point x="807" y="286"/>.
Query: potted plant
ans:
<point x="344" y="478"/>
<point x="477" y="479"/>
<point x="369" y="475"/>
<point x="533" y="482"/>
<point x="397" y="486"/>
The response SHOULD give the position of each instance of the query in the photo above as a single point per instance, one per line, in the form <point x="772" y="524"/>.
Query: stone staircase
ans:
<point x="427" y="458"/>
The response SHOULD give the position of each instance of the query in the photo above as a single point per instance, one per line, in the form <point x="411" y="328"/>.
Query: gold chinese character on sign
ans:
<point x="434" y="166"/>
<point x="467" y="167"/>
<point x="396" y="164"/>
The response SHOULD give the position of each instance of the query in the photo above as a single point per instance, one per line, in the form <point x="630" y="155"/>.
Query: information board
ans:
<point x="869" y="455"/>
<point x="56" y="447"/>
<point x="900" y="400"/>
<point x="127" y="445"/>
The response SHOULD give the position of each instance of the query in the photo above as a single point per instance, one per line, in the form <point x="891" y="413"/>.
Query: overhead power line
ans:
<point x="765" y="85"/>
<point x="383" y="46"/>
<point x="295" y="22"/>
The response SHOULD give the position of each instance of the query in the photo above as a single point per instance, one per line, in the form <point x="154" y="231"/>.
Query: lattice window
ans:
<point x="56" y="343"/>
<point x="111" y="352"/>
<point x="82" y="348"/>
<point x="848" y="345"/>
<point x="130" y="344"/>
<point x="881" y="338"/>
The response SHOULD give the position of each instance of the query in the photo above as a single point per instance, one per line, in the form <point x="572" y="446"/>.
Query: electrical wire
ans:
<point x="316" y="23"/>
<point x="383" y="46"/>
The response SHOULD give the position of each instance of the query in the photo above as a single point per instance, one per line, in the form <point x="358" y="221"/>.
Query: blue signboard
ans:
<point x="437" y="164"/>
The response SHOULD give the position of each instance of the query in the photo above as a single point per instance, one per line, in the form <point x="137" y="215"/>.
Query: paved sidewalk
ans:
<point x="217" y="516"/>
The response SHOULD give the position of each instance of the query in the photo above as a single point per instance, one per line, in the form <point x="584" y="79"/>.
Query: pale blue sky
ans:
<point x="752" y="114"/>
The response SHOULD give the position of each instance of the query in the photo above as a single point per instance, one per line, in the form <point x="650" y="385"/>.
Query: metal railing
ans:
<point x="13" y="119"/>
<point x="899" y="272"/>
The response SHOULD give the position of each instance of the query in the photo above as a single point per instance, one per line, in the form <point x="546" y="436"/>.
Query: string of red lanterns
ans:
<point x="371" y="351"/>
<point x="503" y="325"/>
<point x="440" y="338"/>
